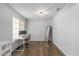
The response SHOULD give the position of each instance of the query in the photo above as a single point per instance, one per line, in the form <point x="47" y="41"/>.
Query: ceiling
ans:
<point x="28" y="10"/>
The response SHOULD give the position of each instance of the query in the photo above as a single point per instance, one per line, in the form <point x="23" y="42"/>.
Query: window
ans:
<point x="18" y="25"/>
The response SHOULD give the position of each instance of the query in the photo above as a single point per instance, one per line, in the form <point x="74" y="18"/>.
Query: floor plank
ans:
<point x="39" y="48"/>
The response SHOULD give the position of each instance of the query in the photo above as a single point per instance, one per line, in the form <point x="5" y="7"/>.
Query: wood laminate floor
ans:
<point x="39" y="49"/>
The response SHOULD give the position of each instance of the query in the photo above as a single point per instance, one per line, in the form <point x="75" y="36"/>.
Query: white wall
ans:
<point x="6" y="15"/>
<point x="66" y="30"/>
<point x="37" y="28"/>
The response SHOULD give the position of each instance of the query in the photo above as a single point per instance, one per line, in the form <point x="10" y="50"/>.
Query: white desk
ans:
<point x="21" y="38"/>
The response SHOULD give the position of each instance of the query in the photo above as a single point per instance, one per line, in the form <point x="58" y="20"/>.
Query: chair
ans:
<point x="27" y="40"/>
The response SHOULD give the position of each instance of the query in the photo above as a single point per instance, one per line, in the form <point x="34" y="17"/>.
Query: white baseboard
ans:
<point x="60" y="48"/>
<point x="37" y="40"/>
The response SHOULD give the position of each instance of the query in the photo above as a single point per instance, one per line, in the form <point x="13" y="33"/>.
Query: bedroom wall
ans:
<point x="66" y="30"/>
<point x="37" y="28"/>
<point x="6" y="15"/>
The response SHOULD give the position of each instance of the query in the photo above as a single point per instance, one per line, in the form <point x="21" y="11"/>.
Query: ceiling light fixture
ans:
<point x="41" y="12"/>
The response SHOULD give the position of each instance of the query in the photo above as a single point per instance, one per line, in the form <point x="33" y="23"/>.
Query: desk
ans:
<point x="23" y="39"/>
